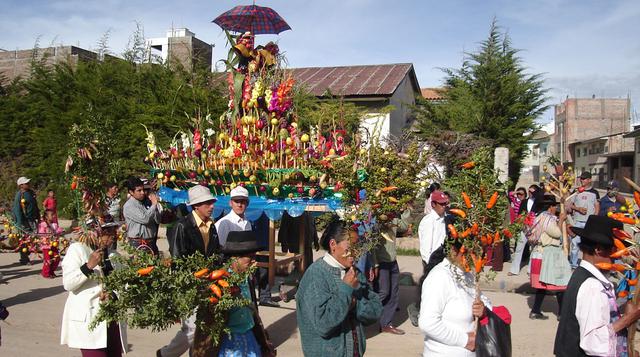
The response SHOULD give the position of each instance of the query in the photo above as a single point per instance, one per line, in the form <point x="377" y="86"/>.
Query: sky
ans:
<point x="581" y="47"/>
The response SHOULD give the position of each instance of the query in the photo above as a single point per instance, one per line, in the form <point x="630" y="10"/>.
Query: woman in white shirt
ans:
<point x="449" y="306"/>
<point x="86" y="260"/>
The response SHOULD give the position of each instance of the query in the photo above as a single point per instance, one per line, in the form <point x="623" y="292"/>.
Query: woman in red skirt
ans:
<point x="550" y="269"/>
<point x="48" y="231"/>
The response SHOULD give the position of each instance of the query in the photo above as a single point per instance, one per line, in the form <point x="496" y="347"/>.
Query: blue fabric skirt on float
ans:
<point x="240" y="345"/>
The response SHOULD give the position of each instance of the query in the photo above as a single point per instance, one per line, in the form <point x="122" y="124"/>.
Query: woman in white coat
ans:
<point x="449" y="306"/>
<point x="85" y="261"/>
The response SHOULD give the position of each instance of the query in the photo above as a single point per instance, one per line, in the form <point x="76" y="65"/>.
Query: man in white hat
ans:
<point x="237" y="221"/>
<point x="25" y="210"/>
<point x="191" y="233"/>
<point x="234" y="220"/>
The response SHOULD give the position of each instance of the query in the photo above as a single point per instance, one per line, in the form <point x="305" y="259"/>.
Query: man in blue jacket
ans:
<point x="26" y="212"/>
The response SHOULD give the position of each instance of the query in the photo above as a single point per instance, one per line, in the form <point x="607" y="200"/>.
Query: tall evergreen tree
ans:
<point x="490" y="98"/>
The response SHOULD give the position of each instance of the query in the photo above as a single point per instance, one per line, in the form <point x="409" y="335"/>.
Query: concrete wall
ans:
<point x="15" y="64"/>
<point x="402" y="99"/>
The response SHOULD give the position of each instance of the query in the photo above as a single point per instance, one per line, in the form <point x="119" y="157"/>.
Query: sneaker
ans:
<point x="414" y="313"/>
<point x="269" y="303"/>
<point x="537" y="316"/>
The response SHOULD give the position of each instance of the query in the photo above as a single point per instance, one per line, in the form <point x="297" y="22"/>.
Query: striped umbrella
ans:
<point x="253" y="18"/>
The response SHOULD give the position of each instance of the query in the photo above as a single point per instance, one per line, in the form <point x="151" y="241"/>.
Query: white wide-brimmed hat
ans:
<point x="199" y="194"/>
<point x="239" y="192"/>
<point x="22" y="180"/>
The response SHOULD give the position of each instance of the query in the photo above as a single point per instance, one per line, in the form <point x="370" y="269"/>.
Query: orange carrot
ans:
<point x="624" y="219"/>
<point x="618" y="267"/>
<point x="213" y="300"/>
<point x="603" y="266"/>
<point x="468" y="165"/>
<point x="477" y="263"/>
<point x="507" y="233"/>
<point x="215" y="289"/>
<point x="492" y="200"/>
<point x="636" y="197"/>
<point x="465" y="233"/>
<point x="200" y="273"/>
<point x="465" y="265"/>
<point x="458" y="212"/>
<point x="217" y="274"/>
<point x="618" y="243"/>
<point x="621" y="234"/>
<point x="223" y="283"/>
<point x="145" y="271"/>
<point x="474" y="228"/>
<point x="467" y="200"/>
<point x="496" y="238"/>
<point x="389" y="188"/>
<point x="620" y="253"/>
<point x="452" y="231"/>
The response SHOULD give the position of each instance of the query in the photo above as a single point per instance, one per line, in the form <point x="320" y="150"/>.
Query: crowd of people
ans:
<point x="339" y="295"/>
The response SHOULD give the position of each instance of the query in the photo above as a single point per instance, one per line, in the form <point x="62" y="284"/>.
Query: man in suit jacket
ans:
<point x="192" y="233"/>
<point x="196" y="232"/>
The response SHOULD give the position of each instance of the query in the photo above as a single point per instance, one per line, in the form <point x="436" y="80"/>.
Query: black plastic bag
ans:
<point x="494" y="338"/>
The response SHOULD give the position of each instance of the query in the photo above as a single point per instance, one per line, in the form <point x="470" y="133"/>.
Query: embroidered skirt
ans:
<point x="240" y="345"/>
<point x="550" y="270"/>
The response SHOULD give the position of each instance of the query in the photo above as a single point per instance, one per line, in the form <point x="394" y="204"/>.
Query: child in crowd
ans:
<point x="48" y="231"/>
<point x="50" y="204"/>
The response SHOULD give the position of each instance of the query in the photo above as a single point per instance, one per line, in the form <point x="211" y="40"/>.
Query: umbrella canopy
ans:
<point x="252" y="18"/>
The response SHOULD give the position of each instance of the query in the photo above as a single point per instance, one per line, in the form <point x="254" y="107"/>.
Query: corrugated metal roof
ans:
<point x="364" y="80"/>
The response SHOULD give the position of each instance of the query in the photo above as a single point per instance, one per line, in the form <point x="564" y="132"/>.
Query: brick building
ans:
<point x="14" y="64"/>
<point x="590" y="135"/>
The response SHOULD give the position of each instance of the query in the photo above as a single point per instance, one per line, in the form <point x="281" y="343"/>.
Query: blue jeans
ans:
<point x="575" y="251"/>
<point x="517" y="256"/>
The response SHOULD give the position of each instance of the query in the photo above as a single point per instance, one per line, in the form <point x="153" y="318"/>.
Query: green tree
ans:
<point x="38" y="112"/>
<point x="491" y="100"/>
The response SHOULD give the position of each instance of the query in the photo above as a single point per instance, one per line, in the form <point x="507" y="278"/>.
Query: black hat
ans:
<point x="240" y="242"/>
<point x="598" y="230"/>
<point x="547" y="201"/>
<point x="585" y="175"/>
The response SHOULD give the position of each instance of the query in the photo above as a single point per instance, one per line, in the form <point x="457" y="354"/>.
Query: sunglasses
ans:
<point x="241" y="202"/>
<point x="442" y="204"/>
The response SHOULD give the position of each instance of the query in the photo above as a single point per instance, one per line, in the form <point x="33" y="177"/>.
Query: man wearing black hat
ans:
<point x="583" y="204"/>
<point x="247" y="334"/>
<point x="590" y="322"/>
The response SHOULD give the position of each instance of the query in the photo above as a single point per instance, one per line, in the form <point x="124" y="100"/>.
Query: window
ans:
<point x="578" y="153"/>
<point x="584" y="151"/>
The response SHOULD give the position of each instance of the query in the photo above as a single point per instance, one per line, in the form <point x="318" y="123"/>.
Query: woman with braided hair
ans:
<point x="334" y="299"/>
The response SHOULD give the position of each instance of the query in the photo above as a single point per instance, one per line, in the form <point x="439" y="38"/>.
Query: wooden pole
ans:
<point x="301" y="243"/>
<point x="565" y="241"/>
<point x="272" y="252"/>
